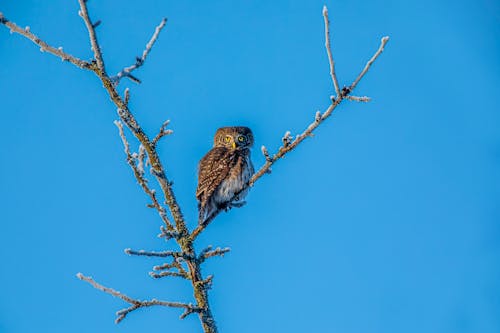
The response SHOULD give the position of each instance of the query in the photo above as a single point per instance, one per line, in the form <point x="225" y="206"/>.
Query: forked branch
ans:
<point x="137" y="304"/>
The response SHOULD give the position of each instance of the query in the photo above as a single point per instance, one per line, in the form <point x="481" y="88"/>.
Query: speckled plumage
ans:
<point x="224" y="170"/>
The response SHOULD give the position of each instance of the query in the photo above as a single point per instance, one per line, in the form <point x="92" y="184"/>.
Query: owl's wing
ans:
<point x="212" y="170"/>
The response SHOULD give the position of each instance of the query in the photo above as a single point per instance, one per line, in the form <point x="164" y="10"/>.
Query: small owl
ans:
<point x="224" y="170"/>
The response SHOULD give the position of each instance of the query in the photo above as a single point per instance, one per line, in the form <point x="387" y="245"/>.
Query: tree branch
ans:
<point x="44" y="47"/>
<point x="163" y="132"/>
<point x="168" y="269"/>
<point x="92" y="35"/>
<point x="208" y="253"/>
<point x="329" y="52"/>
<point x="383" y="41"/>
<point x="359" y="98"/>
<point x="173" y="254"/>
<point x="139" y="61"/>
<point x="136" y="304"/>
<point x="138" y="170"/>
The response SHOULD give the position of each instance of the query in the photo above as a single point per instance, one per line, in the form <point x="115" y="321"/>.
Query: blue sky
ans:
<point x="386" y="221"/>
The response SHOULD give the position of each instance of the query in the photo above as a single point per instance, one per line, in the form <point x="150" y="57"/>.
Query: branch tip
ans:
<point x="329" y="52"/>
<point x="265" y="153"/>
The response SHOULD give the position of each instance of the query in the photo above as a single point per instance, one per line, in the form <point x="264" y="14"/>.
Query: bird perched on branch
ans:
<point x="224" y="172"/>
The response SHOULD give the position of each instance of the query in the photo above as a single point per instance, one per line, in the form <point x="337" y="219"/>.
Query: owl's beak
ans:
<point x="234" y="145"/>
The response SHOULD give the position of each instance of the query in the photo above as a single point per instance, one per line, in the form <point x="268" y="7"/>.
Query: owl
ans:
<point x="225" y="170"/>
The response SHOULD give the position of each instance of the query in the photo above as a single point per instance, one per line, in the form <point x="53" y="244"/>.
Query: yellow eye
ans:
<point x="227" y="138"/>
<point x="241" y="138"/>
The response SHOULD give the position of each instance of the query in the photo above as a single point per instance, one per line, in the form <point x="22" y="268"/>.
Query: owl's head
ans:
<point x="233" y="137"/>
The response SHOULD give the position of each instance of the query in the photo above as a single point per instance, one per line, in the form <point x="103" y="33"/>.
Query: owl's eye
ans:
<point x="227" y="139"/>
<point x="241" y="139"/>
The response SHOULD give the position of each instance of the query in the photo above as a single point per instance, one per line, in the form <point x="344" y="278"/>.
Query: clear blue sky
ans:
<point x="386" y="221"/>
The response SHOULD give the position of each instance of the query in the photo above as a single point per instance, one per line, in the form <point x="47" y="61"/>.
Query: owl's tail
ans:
<point x="202" y="212"/>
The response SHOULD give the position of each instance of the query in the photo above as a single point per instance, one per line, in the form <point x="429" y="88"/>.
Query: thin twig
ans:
<point x="163" y="132"/>
<point x="136" y="304"/>
<point x="202" y="226"/>
<point x="173" y="254"/>
<point x="208" y="253"/>
<point x="383" y="41"/>
<point x="169" y="273"/>
<point x="168" y="267"/>
<point x="127" y="96"/>
<point x="44" y="47"/>
<point x="93" y="37"/>
<point x="126" y="72"/>
<point x="167" y="234"/>
<point x="329" y="52"/>
<point x="358" y="98"/>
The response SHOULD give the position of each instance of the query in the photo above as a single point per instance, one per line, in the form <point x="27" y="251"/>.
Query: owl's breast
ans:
<point x="237" y="178"/>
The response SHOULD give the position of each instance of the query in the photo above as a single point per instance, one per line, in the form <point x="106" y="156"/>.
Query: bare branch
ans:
<point x="319" y="118"/>
<point x="44" y="47"/>
<point x="168" y="269"/>
<point x="127" y="96"/>
<point x="163" y="132"/>
<point x="139" y="61"/>
<point x="329" y="52"/>
<point x="92" y="35"/>
<point x="168" y="273"/>
<point x="265" y="152"/>
<point x="136" y="304"/>
<point x="202" y="226"/>
<point x="173" y="254"/>
<point x="138" y="170"/>
<point x="287" y="139"/>
<point x="383" y="41"/>
<point x="167" y="234"/>
<point x="359" y="98"/>
<point x="208" y="253"/>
